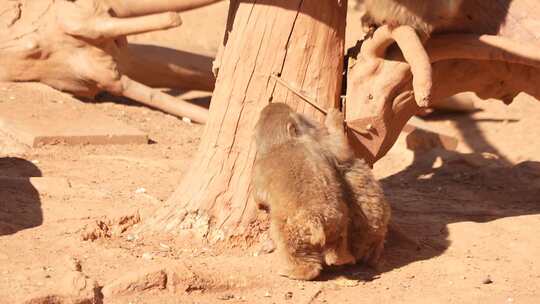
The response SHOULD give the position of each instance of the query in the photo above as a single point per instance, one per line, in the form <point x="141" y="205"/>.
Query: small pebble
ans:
<point x="226" y="297"/>
<point x="288" y="295"/>
<point x="73" y="264"/>
<point x="344" y="282"/>
<point x="140" y="190"/>
<point x="147" y="256"/>
<point x="267" y="295"/>
<point x="164" y="247"/>
<point x="487" y="280"/>
<point x="186" y="120"/>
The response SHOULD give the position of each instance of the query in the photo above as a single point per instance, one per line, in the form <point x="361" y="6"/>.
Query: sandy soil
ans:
<point x="475" y="214"/>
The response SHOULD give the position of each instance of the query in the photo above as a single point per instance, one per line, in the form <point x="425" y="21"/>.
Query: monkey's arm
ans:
<point x="260" y="194"/>
<point x="336" y="140"/>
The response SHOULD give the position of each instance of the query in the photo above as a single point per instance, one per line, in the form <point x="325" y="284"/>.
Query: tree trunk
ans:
<point x="303" y="43"/>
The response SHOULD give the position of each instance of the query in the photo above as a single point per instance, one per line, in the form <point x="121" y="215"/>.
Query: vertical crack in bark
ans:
<point x="290" y="34"/>
<point x="236" y="35"/>
<point x="251" y="151"/>
<point x="282" y="65"/>
<point x="240" y="116"/>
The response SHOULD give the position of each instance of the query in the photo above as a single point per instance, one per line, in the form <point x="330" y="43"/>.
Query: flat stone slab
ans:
<point x="37" y="115"/>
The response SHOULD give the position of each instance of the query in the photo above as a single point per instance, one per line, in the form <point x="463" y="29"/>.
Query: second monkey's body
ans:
<point x="423" y="15"/>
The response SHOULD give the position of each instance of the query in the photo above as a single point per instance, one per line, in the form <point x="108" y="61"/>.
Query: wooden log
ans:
<point x="81" y="48"/>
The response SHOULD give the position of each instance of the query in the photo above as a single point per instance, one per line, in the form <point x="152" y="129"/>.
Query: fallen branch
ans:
<point x="81" y="47"/>
<point x="483" y="47"/>
<point x="413" y="51"/>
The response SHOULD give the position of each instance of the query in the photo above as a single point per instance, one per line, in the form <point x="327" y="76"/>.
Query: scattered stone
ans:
<point x="487" y="280"/>
<point x="267" y="294"/>
<point x="164" y="247"/>
<point x="136" y="282"/>
<point x="147" y="256"/>
<point x="97" y="230"/>
<point x="105" y="228"/>
<point x="74" y="264"/>
<point x="344" y="282"/>
<point x="288" y="295"/>
<point x="140" y="190"/>
<point x="123" y="223"/>
<point x="226" y="297"/>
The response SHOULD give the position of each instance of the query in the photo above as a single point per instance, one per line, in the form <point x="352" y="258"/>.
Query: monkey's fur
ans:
<point x="306" y="173"/>
<point x="297" y="178"/>
<point x="368" y="209"/>
<point x="423" y="15"/>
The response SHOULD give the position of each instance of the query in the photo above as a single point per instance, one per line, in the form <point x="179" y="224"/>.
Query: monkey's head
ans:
<point x="277" y="124"/>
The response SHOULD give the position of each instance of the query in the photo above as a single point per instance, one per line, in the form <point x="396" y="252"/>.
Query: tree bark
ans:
<point x="300" y="41"/>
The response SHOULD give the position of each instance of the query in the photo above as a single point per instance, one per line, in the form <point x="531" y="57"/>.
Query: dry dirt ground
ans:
<point x="475" y="214"/>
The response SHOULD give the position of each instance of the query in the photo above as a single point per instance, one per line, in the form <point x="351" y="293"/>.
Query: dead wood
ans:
<point x="81" y="47"/>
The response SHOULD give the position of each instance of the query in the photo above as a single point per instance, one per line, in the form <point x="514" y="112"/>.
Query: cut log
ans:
<point x="81" y="47"/>
<point x="300" y="41"/>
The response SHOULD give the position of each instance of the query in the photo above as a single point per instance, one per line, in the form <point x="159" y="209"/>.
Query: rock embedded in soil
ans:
<point x="74" y="288"/>
<point x="136" y="282"/>
<point x="487" y="280"/>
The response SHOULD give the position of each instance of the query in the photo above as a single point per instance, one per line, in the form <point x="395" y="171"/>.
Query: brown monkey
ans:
<point x="296" y="177"/>
<point x="369" y="212"/>
<point x="423" y="15"/>
<point x="368" y="209"/>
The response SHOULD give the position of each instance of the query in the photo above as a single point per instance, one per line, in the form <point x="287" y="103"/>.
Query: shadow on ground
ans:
<point x="20" y="205"/>
<point x="443" y="187"/>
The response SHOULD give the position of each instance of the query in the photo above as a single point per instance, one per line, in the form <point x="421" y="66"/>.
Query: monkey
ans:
<point x="369" y="211"/>
<point x="422" y="15"/>
<point x="295" y="176"/>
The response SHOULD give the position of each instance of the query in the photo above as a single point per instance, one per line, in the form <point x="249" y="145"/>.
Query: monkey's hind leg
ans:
<point x="300" y="248"/>
<point x="374" y="252"/>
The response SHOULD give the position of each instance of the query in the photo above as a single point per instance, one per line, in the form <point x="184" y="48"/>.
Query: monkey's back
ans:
<point x="300" y="178"/>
